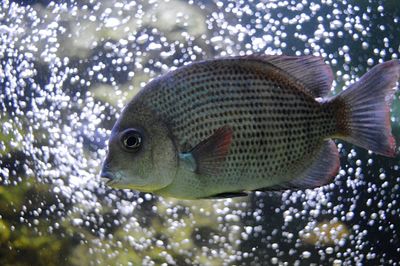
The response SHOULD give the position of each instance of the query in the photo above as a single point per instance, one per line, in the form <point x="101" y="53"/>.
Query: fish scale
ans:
<point x="263" y="112"/>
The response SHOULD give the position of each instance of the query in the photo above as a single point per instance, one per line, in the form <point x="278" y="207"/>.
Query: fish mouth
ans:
<point x="108" y="178"/>
<point x="113" y="180"/>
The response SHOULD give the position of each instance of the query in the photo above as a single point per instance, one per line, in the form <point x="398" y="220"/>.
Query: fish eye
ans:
<point x="131" y="139"/>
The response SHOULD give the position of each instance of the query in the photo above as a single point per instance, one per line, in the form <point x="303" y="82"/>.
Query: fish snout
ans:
<point x="107" y="177"/>
<point x="106" y="174"/>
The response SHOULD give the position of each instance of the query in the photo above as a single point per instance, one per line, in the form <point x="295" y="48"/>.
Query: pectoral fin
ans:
<point x="207" y="157"/>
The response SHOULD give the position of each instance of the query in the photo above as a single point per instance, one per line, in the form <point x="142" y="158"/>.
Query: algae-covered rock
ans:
<point x="4" y="231"/>
<point x="325" y="233"/>
<point x="175" y="18"/>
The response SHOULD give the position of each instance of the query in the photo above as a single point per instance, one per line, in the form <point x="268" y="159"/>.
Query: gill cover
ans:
<point x="141" y="150"/>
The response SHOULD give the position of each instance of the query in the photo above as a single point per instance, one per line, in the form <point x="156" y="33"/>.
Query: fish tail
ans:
<point x="363" y="110"/>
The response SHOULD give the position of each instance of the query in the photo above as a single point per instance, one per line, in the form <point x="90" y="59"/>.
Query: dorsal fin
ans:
<point x="311" y="71"/>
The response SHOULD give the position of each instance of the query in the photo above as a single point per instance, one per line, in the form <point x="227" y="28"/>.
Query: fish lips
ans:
<point x="107" y="177"/>
<point x="114" y="180"/>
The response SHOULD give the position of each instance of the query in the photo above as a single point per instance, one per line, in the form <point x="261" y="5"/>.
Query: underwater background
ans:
<point x="68" y="67"/>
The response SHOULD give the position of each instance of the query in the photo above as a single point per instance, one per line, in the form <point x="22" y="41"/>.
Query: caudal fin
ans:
<point x="363" y="110"/>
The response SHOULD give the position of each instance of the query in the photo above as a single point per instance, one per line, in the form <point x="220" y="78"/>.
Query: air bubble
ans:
<point x="68" y="69"/>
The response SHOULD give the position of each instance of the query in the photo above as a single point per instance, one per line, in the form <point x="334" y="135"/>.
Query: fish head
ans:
<point x="141" y="152"/>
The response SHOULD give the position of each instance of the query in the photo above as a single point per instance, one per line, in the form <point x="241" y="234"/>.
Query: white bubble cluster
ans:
<point x="66" y="71"/>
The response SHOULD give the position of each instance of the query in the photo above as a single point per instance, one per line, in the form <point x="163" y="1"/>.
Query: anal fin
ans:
<point x="226" y="195"/>
<point x="323" y="168"/>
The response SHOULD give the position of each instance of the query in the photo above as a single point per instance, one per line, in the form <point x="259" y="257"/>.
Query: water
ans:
<point x="67" y="69"/>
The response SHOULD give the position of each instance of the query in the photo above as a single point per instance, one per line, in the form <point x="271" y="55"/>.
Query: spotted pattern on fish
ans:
<point x="276" y="122"/>
<point x="225" y="127"/>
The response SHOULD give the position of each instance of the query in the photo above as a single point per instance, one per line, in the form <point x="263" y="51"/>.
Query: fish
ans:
<point x="225" y="127"/>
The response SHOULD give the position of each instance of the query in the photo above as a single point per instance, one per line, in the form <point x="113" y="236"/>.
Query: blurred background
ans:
<point x="68" y="67"/>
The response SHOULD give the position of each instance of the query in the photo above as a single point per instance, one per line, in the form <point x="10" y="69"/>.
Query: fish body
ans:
<point x="223" y="127"/>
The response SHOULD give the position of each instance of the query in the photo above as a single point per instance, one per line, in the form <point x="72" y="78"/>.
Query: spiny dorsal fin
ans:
<point x="311" y="71"/>
<point x="207" y="157"/>
<point x="323" y="169"/>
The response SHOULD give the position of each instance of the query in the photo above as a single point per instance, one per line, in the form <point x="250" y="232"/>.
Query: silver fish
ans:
<point x="224" y="127"/>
